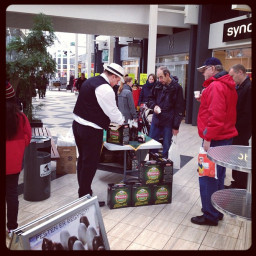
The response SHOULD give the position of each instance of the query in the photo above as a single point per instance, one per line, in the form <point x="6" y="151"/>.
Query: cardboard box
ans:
<point x="120" y="136"/>
<point x="167" y="169"/>
<point x="141" y="194"/>
<point x="150" y="172"/>
<point x="67" y="161"/>
<point x="119" y="195"/>
<point x="162" y="193"/>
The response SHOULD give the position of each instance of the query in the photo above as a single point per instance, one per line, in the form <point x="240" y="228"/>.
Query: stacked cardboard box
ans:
<point x="154" y="186"/>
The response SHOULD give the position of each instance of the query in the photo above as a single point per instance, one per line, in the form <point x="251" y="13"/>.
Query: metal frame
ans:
<point x="22" y="236"/>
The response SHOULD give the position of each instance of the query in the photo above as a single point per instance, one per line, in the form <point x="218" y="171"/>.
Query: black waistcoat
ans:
<point x="87" y="106"/>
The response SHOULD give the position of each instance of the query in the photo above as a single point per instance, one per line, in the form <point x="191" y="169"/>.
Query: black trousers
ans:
<point x="89" y="144"/>
<point x="240" y="178"/>
<point x="12" y="201"/>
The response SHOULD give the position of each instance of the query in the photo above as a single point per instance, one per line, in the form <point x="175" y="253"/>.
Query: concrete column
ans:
<point x="68" y="64"/>
<point x="76" y="56"/>
<point x="111" y="43"/>
<point x="152" y="36"/>
<point x="89" y="54"/>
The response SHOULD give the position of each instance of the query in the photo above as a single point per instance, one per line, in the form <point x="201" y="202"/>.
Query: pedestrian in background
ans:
<point x="243" y="118"/>
<point x="146" y="89"/>
<point x="216" y="126"/>
<point x="125" y="99"/>
<point x="41" y="83"/>
<point x="166" y="99"/>
<point x="136" y="94"/>
<point x="18" y="136"/>
<point x="80" y="81"/>
<point x="71" y="81"/>
<point x="93" y="111"/>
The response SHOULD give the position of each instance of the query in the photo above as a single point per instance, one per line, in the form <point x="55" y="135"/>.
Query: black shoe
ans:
<point x="220" y="217"/>
<point x="101" y="203"/>
<point x="201" y="220"/>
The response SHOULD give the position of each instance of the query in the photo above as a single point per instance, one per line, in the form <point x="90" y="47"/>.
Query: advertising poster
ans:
<point x="79" y="228"/>
<point x="132" y="76"/>
<point x="143" y="78"/>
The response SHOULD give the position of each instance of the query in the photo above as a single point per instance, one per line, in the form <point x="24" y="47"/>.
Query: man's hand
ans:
<point x="114" y="126"/>
<point x="206" y="145"/>
<point x="157" y="109"/>
<point x="175" y="132"/>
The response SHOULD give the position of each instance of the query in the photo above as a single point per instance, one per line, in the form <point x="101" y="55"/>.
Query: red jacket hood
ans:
<point x="217" y="113"/>
<point x="223" y="77"/>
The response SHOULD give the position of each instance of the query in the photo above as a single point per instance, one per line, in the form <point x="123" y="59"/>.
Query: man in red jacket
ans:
<point x="216" y="126"/>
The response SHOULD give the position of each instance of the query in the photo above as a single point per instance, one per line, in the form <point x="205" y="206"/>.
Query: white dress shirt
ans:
<point x="106" y="98"/>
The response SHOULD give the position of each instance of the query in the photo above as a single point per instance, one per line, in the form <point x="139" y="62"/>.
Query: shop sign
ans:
<point x="132" y="76"/>
<point x="143" y="78"/>
<point x="237" y="30"/>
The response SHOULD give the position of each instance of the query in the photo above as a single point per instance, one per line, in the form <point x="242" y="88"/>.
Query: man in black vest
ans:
<point x="94" y="110"/>
<point x="243" y="118"/>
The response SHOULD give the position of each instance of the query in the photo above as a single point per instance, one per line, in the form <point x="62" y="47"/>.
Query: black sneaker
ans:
<point x="201" y="220"/>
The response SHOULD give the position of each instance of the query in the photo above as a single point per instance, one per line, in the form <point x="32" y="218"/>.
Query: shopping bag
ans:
<point x="205" y="166"/>
<point x="174" y="153"/>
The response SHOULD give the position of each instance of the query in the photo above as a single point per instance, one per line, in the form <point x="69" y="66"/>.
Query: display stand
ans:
<point x="75" y="226"/>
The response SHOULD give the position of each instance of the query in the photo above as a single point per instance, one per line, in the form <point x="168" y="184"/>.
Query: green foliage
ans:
<point x="28" y="56"/>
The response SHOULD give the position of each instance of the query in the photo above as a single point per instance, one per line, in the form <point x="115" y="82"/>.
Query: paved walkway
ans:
<point x="156" y="227"/>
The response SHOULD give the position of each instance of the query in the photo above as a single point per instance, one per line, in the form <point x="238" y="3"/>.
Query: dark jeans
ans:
<point x="156" y="132"/>
<point x="210" y="185"/>
<point x="12" y="201"/>
<point x="89" y="144"/>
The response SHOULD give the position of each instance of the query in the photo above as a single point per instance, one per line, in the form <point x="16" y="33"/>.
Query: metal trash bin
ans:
<point x="37" y="169"/>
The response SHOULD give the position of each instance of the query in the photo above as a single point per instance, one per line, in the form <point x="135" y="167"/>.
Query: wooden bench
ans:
<point x="44" y="131"/>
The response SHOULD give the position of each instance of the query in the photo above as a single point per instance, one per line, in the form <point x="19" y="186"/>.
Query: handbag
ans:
<point x="173" y="153"/>
<point x="205" y="166"/>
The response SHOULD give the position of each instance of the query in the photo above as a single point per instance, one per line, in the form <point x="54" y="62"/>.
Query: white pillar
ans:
<point x="111" y="43"/>
<point x="89" y="54"/>
<point x="68" y="64"/>
<point x="152" y="36"/>
<point x="76" y="56"/>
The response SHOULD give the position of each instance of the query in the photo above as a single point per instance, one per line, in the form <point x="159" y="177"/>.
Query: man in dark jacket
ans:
<point x="243" y="118"/>
<point x="167" y="101"/>
<point x="80" y="81"/>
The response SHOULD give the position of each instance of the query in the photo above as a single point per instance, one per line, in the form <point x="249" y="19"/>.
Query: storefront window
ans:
<point x="230" y="57"/>
<point x="131" y="67"/>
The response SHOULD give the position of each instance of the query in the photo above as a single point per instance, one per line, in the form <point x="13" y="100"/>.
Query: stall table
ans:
<point x="141" y="150"/>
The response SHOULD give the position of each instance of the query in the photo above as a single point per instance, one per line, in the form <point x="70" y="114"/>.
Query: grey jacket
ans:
<point x="126" y="103"/>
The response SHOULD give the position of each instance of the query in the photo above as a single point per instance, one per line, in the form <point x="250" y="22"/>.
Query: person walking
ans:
<point x="243" y="118"/>
<point x="125" y="99"/>
<point x="94" y="110"/>
<point x="146" y="89"/>
<point x="71" y="81"/>
<point x="18" y="136"/>
<point x="166" y="99"/>
<point x="216" y="126"/>
<point x="80" y="81"/>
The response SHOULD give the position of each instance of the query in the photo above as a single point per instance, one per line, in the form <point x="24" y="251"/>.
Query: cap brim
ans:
<point x="201" y="69"/>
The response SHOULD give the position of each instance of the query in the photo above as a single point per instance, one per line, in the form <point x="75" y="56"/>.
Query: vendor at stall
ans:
<point x="94" y="109"/>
